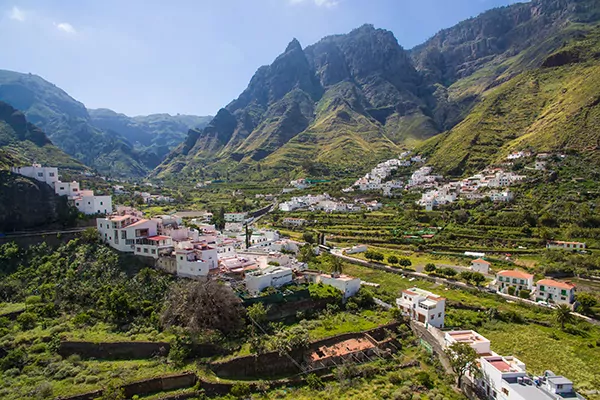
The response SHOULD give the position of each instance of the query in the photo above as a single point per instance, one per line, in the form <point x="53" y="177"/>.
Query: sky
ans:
<point x="140" y="57"/>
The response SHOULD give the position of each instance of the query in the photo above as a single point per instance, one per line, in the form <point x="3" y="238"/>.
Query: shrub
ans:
<point x="82" y="319"/>
<point x="511" y="290"/>
<point x="43" y="390"/>
<point x="524" y="294"/>
<point x="424" y="380"/>
<point x="392" y="259"/>
<point x="314" y="382"/>
<point x="405" y="262"/>
<point x="430" y="267"/>
<point x="27" y="320"/>
<point x="33" y="300"/>
<point x="240" y="390"/>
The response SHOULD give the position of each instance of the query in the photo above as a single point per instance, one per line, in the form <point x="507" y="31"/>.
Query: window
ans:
<point x="139" y="250"/>
<point x="432" y="316"/>
<point x="74" y="189"/>
<point x="123" y="234"/>
<point x="439" y="315"/>
<point x="100" y="225"/>
<point x="62" y="188"/>
<point x="145" y="250"/>
<point x="101" y="203"/>
<point x="51" y="174"/>
<point x="522" y="281"/>
<point x="559" y="386"/>
<point x="41" y="174"/>
<point x="153" y="251"/>
<point x="181" y="258"/>
<point x="542" y="288"/>
<point x="505" y="391"/>
<point x="563" y="292"/>
<point x="89" y="202"/>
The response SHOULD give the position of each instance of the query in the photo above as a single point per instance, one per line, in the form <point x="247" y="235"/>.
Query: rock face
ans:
<point x="27" y="203"/>
<point x="334" y="97"/>
<point x="354" y="98"/>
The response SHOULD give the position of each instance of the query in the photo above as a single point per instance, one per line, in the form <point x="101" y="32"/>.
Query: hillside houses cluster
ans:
<point x="491" y="183"/>
<point x="84" y="200"/>
<point x="324" y="202"/>
<point x="545" y="290"/>
<point x="377" y="178"/>
<point x="256" y="261"/>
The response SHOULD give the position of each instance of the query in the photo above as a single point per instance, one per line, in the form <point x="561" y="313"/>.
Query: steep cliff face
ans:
<point x="325" y="104"/>
<point x="26" y="203"/>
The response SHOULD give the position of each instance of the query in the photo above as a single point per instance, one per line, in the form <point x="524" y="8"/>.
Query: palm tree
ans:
<point x="563" y="315"/>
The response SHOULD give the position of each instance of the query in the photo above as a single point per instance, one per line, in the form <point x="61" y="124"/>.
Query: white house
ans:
<point x="506" y="378"/>
<point x="49" y="175"/>
<point x="359" y="248"/>
<point x="153" y="246"/>
<point x="555" y="291"/>
<point x="90" y="204"/>
<point x="518" y="279"/>
<point x="275" y="276"/>
<point x="480" y="265"/>
<point x="559" y="244"/>
<point x="122" y="231"/>
<point x="70" y="189"/>
<point x="235" y="217"/>
<point x="196" y="261"/>
<point x="423" y="306"/>
<point x="479" y="343"/>
<point x="294" y="221"/>
<point x="348" y="285"/>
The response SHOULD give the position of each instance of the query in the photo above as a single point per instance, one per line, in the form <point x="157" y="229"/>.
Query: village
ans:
<point x="257" y="262"/>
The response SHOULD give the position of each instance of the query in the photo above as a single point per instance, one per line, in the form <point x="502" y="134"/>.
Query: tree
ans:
<point x="467" y="276"/>
<point x="257" y="313"/>
<point x="430" y="267"/>
<point x="392" y="259"/>
<point x="462" y="360"/>
<point x="448" y="272"/>
<point x="478" y="278"/>
<point x="405" y="262"/>
<point x="511" y="290"/>
<point x="308" y="237"/>
<point x="586" y="301"/>
<point x="492" y="313"/>
<point x="27" y="320"/>
<point x="377" y="256"/>
<point x="203" y="305"/>
<point x="306" y="253"/>
<point x="563" y="315"/>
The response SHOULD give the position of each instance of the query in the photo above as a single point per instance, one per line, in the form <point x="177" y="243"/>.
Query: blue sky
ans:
<point x="190" y="56"/>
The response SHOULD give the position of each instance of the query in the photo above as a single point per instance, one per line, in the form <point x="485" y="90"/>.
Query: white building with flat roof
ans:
<point x="423" y="306"/>
<point x="235" y="217"/>
<point x="348" y="285"/>
<point x="273" y="276"/>
<point x="559" y="244"/>
<point x="49" y="175"/>
<point x="122" y="231"/>
<point x="479" y="343"/>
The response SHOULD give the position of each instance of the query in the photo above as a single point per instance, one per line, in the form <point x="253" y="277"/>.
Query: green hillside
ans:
<point x="552" y="108"/>
<point x="22" y="143"/>
<point x="67" y="123"/>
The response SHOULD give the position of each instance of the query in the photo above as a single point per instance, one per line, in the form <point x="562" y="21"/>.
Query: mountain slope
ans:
<point x="153" y="136"/>
<point x="552" y="108"/>
<point x="67" y="123"/>
<point x="329" y="104"/>
<point x="23" y="143"/>
<point x="475" y="55"/>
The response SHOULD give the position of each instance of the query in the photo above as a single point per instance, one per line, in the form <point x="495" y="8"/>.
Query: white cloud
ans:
<point x="17" y="14"/>
<point x="65" y="27"/>
<point x="318" y="3"/>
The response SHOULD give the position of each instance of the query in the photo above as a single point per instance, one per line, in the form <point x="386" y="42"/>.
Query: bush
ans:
<point x="16" y="358"/>
<point x="27" y="320"/>
<point x="405" y="262"/>
<point x="511" y="290"/>
<point x="430" y="267"/>
<point x="82" y="319"/>
<point x="524" y="294"/>
<point x="240" y="390"/>
<point x="392" y="259"/>
<point x="314" y="382"/>
<point x="43" y="390"/>
<point x="424" y="380"/>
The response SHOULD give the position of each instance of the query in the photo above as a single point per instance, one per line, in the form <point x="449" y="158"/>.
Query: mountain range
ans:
<point x="111" y="143"/>
<point x="515" y="77"/>
<point x="348" y="100"/>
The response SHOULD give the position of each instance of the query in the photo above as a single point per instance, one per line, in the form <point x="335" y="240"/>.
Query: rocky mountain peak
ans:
<point x="293" y="45"/>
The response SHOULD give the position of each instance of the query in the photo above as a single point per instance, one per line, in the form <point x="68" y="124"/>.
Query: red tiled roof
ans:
<point x="515" y="274"/>
<point x="409" y="292"/>
<point x="558" y="284"/>
<point x="481" y="261"/>
<point x="159" y="237"/>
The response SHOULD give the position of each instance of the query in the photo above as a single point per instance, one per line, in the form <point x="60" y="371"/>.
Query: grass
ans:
<point x="7" y="308"/>
<point x="345" y="322"/>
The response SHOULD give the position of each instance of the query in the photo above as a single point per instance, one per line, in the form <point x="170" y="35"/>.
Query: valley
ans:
<point x="364" y="221"/>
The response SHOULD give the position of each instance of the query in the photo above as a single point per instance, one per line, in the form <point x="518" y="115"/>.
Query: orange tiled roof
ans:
<point x="558" y="284"/>
<point x="515" y="274"/>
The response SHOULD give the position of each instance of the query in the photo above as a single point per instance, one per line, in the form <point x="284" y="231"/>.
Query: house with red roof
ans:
<point x="555" y="291"/>
<point x="514" y="278"/>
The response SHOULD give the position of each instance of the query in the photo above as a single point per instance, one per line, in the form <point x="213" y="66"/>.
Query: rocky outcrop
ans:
<point x="26" y="203"/>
